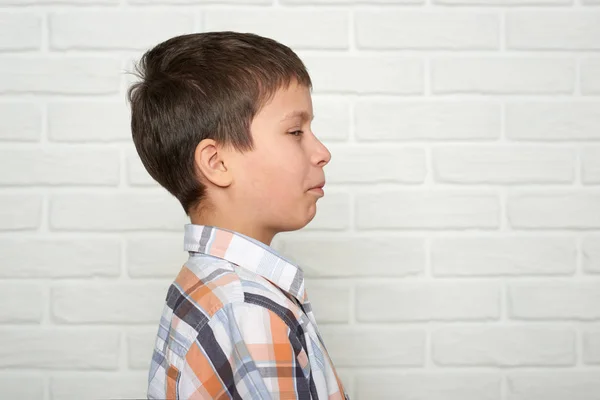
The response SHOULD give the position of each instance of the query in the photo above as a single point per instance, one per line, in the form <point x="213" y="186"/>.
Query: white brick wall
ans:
<point x="553" y="386"/>
<point x="497" y="75"/>
<point x="456" y="254"/>
<point x="383" y="29"/>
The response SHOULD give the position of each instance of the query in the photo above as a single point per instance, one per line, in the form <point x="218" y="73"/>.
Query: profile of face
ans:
<point x="274" y="183"/>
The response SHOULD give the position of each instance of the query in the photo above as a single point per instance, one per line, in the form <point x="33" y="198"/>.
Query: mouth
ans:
<point x="318" y="189"/>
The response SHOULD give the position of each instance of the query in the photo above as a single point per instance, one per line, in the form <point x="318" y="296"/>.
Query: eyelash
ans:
<point x="300" y="133"/>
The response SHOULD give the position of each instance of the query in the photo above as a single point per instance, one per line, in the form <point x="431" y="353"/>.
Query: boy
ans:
<point x="222" y="121"/>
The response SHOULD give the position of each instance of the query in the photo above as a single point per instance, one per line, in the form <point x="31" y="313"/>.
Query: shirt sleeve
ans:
<point x="246" y="351"/>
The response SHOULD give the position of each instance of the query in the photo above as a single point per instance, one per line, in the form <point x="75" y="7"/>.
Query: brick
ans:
<point x="27" y="296"/>
<point x="328" y="28"/>
<point x="19" y="385"/>
<point x="94" y="385"/>
<point x="507" y="346"/>
<point x="553" y="121"/>
<point x="553" y="385"/>
<point x="193" y="2"/>
<point x="33" y="257"/>
<point x="332" y="119"/>
<point x="20" y="122"/>
<point x="504" y="164"/>
<point x="590" y="76"/>
<point x="428" y="301"/>
<point x="428" y="386"/>
<point x="49" y="2"/>
<point x="20" y="211"/>
<point x="118" y="29"/>
<point x="127" y="303"/>
<point x="591" y="254"/>
<point x="495" y="75"/>
<point x="424" y="120"/>
<point x="80" y="122"/>
<point x="551" y="30"/>
<point x="330" y="300"/>
<point x="551" y="210"/>
<point x="590" y="159"/>
<point x="140" y="344"/>
<point x="426" y="210"/>
<point x="155" y="256"/>
<point x="46" y="75"/>
<point x="503" y="2"/>
<point x="136" y="172"/>
<point x="152" y="210"/>
<point x="373" y="347"/>
<point x="20" y="31"/>
<point x="333" y="212"/>
<point x="591" y="347"/>
<point x="338" y="2"/>
<point x="65" y="349"/>
<point x="59" y="166"/>
<point x="378" y="74"/>
<point x="368" y="164"/>
<point x="386" y="29"/>
<point x="555" y="301"/>
<point x="503" y="256"/>
<point x="336" y="256"/>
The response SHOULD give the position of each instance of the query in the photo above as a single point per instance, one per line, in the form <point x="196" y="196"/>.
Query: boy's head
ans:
<point x="222" y="121"/>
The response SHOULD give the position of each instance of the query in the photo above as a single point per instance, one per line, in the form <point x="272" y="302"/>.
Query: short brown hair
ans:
<point x="198" y="86"/>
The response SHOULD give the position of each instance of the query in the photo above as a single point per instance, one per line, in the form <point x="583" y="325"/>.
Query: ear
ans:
<point x="209" y="159"/>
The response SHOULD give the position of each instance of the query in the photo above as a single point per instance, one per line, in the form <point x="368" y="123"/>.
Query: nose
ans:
<point x="321" y="156"/>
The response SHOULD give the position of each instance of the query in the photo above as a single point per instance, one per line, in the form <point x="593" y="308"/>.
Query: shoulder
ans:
<point x="245" y="348"/>
<point x="206" y="285"/>
<point x="214" y="304"/>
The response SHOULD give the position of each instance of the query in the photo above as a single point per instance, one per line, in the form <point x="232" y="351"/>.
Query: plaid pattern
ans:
<point x="237" y="324"/>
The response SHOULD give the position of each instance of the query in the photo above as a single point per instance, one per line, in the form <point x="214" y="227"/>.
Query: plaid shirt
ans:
<point x="237" y="324"/>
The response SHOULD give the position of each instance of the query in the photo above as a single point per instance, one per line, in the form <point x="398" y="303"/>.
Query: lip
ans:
<point x="318" y="190"/>
<point x="319" y="186"/>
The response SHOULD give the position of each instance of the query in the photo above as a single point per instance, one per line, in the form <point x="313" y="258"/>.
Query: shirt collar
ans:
<point x="246" y="252"/>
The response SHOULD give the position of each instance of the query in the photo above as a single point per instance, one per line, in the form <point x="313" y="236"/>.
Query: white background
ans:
<point x="455" y="256"/>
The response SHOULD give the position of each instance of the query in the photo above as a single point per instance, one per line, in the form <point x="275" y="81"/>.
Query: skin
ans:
<point x="269" y="189"/>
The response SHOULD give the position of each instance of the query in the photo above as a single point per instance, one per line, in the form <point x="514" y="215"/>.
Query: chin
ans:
<point x="294" y="225"/>
<point x="302" y="218"/>
<point x="312" y="214"/>
<point x="308" y="219"/>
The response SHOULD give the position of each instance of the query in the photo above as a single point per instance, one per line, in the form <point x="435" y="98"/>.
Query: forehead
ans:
<point x="289" y="102"/>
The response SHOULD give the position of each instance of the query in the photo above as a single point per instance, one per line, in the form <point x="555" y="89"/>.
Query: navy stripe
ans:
<point x="296" y="337"/>
<point x="185" y="309"/>
<point x="217" y="357"/>
<point x="206" y="231"/>
<point x="303" y="388"/>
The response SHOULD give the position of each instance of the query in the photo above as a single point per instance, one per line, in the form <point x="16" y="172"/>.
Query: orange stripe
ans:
<point x="283" y="352"/>
<point x="187" y="279"/>
<point x="205" y="296"/>
<point x="172" y="374"/>
<point x="219" y="246"/>
<point x="260" y="351"/>
<point x="203" y="369"/>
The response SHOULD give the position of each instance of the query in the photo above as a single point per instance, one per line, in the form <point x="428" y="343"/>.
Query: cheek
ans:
<point x="265" y="176"/>
<point x="277" y="170"/>
<point x="283" y="163"/>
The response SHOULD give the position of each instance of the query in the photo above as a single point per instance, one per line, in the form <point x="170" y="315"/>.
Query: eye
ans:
<point x="296" y="133"/>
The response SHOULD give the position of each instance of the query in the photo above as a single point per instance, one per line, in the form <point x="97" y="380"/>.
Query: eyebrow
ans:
<point x="302" y="114"/>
